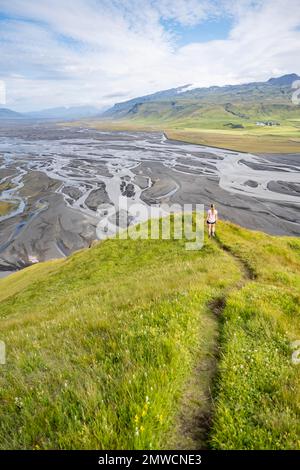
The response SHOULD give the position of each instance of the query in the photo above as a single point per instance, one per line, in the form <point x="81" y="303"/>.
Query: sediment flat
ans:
<point x="59" y="176"/>
<point x="274" y="218"/>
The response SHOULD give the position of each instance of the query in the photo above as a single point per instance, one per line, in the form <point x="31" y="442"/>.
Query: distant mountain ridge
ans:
<point x="247" y="100"/>
<point x="256" y="100"/>
<point x="159" y="95"/>
<point x="63" y="112"/>
<point x="284" y="80"/>
<point x="6" y="113"/>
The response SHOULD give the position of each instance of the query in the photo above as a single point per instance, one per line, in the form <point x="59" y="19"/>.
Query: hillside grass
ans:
<point x="114" y="347"/>
<point x="258" y="389"/>
<point x="257" y="140"/>
<point x="91" y="337"/>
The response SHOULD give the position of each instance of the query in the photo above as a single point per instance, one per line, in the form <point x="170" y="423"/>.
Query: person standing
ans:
<point x="212" y="217"/>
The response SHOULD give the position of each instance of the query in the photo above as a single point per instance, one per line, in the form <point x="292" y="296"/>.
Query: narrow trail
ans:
<point x="197" y="410"/>
<point x="249" y="274"/>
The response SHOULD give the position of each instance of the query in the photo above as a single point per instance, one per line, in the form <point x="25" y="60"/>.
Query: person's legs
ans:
<point x="209" y="230"/>
<point x="213" y="229"/>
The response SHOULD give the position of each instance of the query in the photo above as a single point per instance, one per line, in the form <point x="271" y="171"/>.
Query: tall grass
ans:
<point x="105" y="348"/>
<point x="100" y="346"/>
<point x="258" y="390"/>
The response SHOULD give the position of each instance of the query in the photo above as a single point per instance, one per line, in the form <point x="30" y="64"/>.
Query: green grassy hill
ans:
<point x="219" y="116"/>
<point x="142" y="344"/>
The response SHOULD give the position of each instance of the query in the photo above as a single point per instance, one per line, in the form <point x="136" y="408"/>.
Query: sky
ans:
<point x="99" y="52"/>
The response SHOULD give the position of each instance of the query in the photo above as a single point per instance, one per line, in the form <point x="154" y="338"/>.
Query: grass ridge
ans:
<point x="110" y="347"/>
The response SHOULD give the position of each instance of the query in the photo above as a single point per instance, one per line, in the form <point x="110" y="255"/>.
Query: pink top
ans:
<point x="212" y="215"/>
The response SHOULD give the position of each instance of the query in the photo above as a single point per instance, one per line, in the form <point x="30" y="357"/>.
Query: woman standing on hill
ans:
<point x="212" y="217"/>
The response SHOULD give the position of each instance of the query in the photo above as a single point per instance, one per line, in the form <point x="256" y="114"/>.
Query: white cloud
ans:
<point x="62" y="52"/>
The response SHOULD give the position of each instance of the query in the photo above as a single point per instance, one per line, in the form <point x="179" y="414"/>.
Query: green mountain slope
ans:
<point x="244" y="103"/>
<point x="121" y="346"/>
<point x="255" y="117"/>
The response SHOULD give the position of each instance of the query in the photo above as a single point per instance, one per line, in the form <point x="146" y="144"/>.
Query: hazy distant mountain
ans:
<point x="6" y="113"/>
<point x="63" y="112"/>
<point x="231" y="103"/>
<point x="284" y="80"/>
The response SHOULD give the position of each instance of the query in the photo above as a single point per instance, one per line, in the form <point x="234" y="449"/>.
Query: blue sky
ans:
<point x="79" y="52"/>
<point x="209" y="30"/>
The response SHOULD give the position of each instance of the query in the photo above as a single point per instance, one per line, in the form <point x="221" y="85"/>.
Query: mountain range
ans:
<point x="257" y="100"/>
<point x="73" y="112"/>
<point x="230" y="105"/>
<point x="6" y="113"/>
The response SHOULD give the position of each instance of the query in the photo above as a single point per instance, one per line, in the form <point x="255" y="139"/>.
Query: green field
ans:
<point x="142" y="344"/>
<point x="252" y="138"/>
<point x="283" y="139"/>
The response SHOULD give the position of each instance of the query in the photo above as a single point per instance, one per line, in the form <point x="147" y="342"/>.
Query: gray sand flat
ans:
<point x="47" y="229"/>
<point x="243" y="210"/>
<point x="72" y="191"/>
<point x="284" y="187"/>
<point x="141" y="181"/>
<point x="97" y="197"/>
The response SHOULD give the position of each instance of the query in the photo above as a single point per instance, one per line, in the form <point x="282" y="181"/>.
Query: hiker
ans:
<point x="212" y="217"/>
